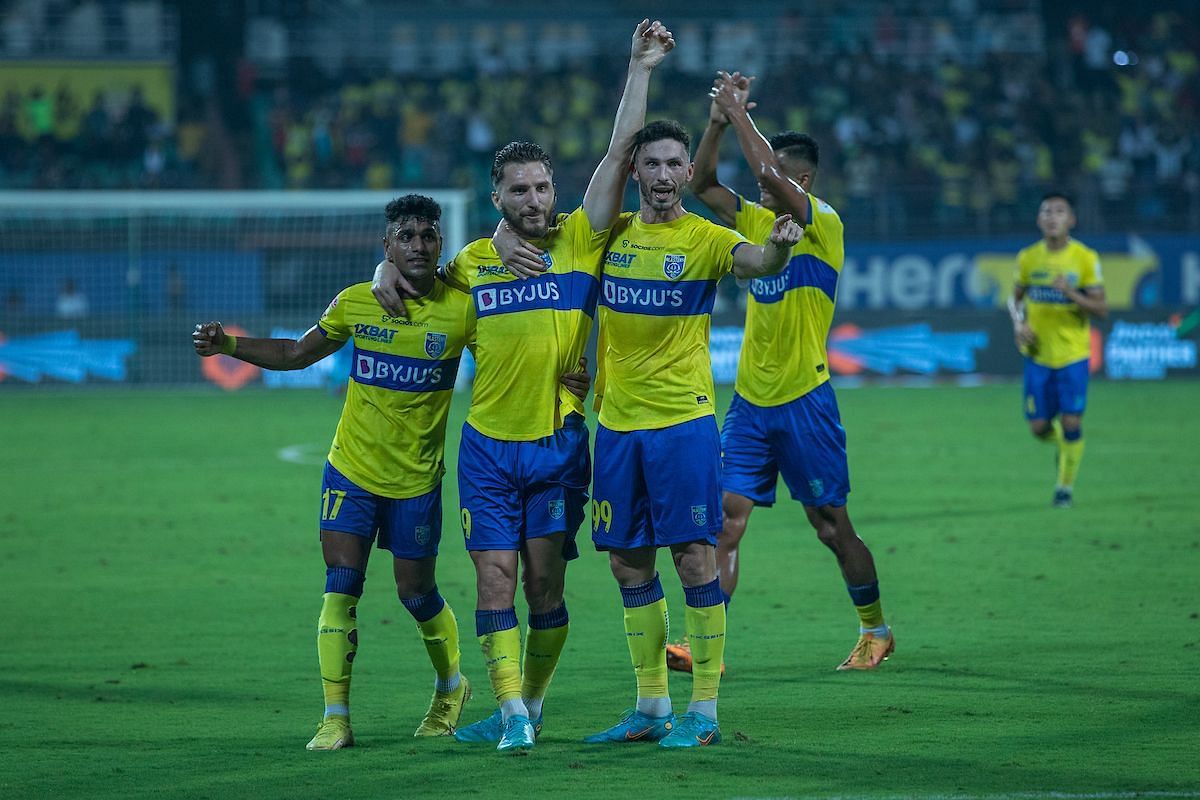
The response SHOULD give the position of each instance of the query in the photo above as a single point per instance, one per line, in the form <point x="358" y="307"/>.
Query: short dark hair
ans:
<point x="413" y="206"/>
<point x="1055" y="194"/>
<point x="794" y="144"/>
<point x="662" y="129"/>
<point x="518" y="153"/>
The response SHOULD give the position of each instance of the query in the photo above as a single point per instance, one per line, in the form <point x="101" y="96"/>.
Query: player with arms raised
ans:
<point x="383" y="478"/>
<point x="658" y="452"/>
<point x="1058" y="287"/>
<point x="784" y="416"/>
<point x="524" y="465"/>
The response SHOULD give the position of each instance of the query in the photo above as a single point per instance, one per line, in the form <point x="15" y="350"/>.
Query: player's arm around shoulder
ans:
<point x="753" y="261"/>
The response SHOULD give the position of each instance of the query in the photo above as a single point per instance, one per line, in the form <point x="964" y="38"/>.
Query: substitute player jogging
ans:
<point x="1057" y="288"/>
<point x="383" y="478"/>
<point x="784" y="417"/>
<point x="658" y="453"/>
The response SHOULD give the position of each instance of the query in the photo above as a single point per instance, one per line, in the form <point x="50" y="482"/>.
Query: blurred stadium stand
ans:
<point x="935" y="118"/>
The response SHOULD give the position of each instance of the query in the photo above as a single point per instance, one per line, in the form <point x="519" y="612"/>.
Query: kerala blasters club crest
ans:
<point x="700" y="515"/>
<point x="435" y="344"/>
<point x="547" y="260"/>
<point x="673" y="266"/>
<point x="422" y="533"/>
<point x="557" y="509"/>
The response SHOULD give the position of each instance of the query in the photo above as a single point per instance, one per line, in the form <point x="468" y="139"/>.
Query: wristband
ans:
<point x="230" y="345"/>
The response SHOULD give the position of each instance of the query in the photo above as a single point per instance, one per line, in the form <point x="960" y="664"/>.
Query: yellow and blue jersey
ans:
<point x="392" y="431"/>
<point x="1062" y="328"/>
<point x="788" y="315"/>
<point x="530" y="331"/>
<point x="660" y="281"/>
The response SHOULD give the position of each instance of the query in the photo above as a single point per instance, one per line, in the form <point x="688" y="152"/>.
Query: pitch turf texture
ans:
<point x="162" y="579"/>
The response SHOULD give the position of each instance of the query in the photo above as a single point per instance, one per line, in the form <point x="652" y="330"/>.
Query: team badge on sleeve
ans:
<point x="435" y="344"/>
<point x="557" y="509"/>
<point x="673" y="266"/>
<point x="700" y="515"/>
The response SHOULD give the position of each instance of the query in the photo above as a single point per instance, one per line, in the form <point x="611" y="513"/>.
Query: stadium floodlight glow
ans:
<point x="1125" y="58"/>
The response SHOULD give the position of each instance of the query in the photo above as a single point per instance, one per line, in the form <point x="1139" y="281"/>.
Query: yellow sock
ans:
<point x="440" y="635"/>
<point x="870" y="615"/>
<point x="646" y="635"/>
<point x="544" y="641"/>
<point x="502" y="652"/>
<point x="706" y="634"/>
<point x="1069" y="456"/>
<point x="337" y="642"/>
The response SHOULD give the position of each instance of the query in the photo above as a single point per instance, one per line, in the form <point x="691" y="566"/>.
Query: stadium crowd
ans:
<point x="961" y="140"/>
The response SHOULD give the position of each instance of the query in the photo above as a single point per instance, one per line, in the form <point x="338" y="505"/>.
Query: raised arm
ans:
<point x="602" y="200"/>
<point x="720" y="199"/>
<point x="210" y="339"/>
<point x="752" y="261"/>
<point x="757" y="151"/>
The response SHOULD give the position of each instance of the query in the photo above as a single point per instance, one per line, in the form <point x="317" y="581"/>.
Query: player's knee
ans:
<point x="733" y="529"/>
<point x="827" y="533"/>
<point x="543" y="593"/>
<point x="736" y="516"/>
<point x="1040" y="428"/>
<point x="1071" y="424"/>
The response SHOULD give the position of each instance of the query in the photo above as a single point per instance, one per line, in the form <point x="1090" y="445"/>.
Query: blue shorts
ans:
<point x="410" y="528"/>
<point x="657" y="487"/>
<point x="1050" y="392"/>
<point x="513" y="491"/>
<point x="803" y="440"/>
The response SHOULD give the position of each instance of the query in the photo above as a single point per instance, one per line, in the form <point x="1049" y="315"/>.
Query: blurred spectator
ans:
<point x="71" y="303"/>
<point x="936" y="118"/>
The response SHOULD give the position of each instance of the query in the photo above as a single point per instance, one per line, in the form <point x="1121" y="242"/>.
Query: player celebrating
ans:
<point x="1058" y="287"/>
<point x="784" y="416"/>
<point x="524" y="465"/>
<point x="658" y="454"/>
<point x="383" y="478"/>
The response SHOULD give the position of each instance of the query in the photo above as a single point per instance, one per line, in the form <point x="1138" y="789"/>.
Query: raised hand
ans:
<point x="651" y="43"/>
<point x="208" y="338"/>
<point x="729" y="92"/>
<point x="786" y="232"/>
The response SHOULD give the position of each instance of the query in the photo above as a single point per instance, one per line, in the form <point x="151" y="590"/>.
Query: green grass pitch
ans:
<point x="162" y="579"/>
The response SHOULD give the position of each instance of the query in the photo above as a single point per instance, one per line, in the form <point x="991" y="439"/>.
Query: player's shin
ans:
<point x="705" y="622"/>
<point x="1070" y="454"/>
<point x="544" y="643"/>
<point x="500" y="640"/>
<point x="337" y="636"/>
<point x="439" y="633"/>
<point x="646" y="624"/>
